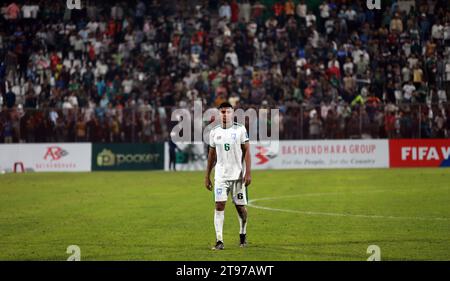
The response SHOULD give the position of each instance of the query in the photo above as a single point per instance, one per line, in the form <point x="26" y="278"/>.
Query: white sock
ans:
<point x="243" y="226"/>
<point x="219" y="217"/>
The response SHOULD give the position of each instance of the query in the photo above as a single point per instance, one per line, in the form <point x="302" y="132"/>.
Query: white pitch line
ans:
<point x="313" y="213"/>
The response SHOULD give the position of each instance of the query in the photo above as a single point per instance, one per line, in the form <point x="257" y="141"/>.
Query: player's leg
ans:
<point x="219" y="217"/>
<point x="242" y="217"/>
<point x="220" y="197"/>
<point x="240" y="201"/>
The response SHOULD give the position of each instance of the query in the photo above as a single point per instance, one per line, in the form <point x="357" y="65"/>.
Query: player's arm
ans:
<point x="247" y="159"/>
<point x="212" y="157"/>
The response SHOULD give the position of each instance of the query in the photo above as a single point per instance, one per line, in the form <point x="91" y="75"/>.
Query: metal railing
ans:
<point x="141" y="125"/>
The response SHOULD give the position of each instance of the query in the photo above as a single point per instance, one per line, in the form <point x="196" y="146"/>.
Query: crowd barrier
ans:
<point x="318" y="154"/>
<point x="327" y="154"/>
<point x="46" y="157"/>
<point x="126" y="157"/>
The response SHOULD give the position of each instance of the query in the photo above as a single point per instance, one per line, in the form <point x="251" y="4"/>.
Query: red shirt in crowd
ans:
<point x="334" y="71"/>
<point x="234" y="11"/>
<point x="111" y="28"/>
<point x="54" y="61"/>
<point x="278" y="9"/>
<point x="389" y="122"/>
<point x="91" y="52"/>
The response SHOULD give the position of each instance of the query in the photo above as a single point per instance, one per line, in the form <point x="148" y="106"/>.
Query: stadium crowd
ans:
<point x="114" y="71"/>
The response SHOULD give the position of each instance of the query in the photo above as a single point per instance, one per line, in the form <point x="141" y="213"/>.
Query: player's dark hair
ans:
<point x="225" y="105"/>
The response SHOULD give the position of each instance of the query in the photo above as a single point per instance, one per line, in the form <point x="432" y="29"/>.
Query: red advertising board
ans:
<point x="419" y="153"/>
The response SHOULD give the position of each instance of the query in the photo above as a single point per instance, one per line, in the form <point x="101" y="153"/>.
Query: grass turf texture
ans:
<point x="169" y="216"/>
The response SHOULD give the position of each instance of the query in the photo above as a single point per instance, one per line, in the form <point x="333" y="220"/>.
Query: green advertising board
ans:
<point x="127" y="156"/>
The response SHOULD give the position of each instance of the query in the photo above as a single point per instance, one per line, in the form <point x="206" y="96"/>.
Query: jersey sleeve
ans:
<point x="244" y="135"/>
<point x="211" y="139"/>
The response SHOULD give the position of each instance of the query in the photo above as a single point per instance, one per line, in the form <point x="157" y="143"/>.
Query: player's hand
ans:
<point x="247" y="179"/>
<point x="208" y="184"/>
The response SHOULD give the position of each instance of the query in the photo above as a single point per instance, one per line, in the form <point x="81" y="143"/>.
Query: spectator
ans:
<point x="289" y="8"/>
<point x="396" y="24"/>
<point x="8" y="131"/>
<point x="315" y="126"/>
<point x="12" y="11"/>
<point x="279" y="12"/>
<point x="257" y="12"/>
<point x="10" y="99"/>
<point x="310" y="19"/>
<point x="245" y="10"/>
<point x="439" y="125"/>
<point x="81" y="130"/>
<point x="408" y="91"/>
<point x="301" y="11"/>
<point x="225" y="11"/>
<point x="390" y="120"/>
<point x="234" y="6"/>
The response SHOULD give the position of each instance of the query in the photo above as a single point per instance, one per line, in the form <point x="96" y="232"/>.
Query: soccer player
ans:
<point x="229" y="149"/>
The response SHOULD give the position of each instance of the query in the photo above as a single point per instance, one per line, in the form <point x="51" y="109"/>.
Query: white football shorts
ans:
<point x="237" y="189"/>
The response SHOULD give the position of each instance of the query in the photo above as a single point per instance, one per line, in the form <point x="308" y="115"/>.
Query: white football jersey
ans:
<point x="227" y="142"/>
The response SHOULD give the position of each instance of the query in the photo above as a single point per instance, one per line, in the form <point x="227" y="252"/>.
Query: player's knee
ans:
<point x="220" y="206"/>
<point x="243" y="217"/>
<point x="241" y="211"/>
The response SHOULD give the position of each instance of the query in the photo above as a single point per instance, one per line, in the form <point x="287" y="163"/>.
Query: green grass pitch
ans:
<point x="295" y="215"/>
